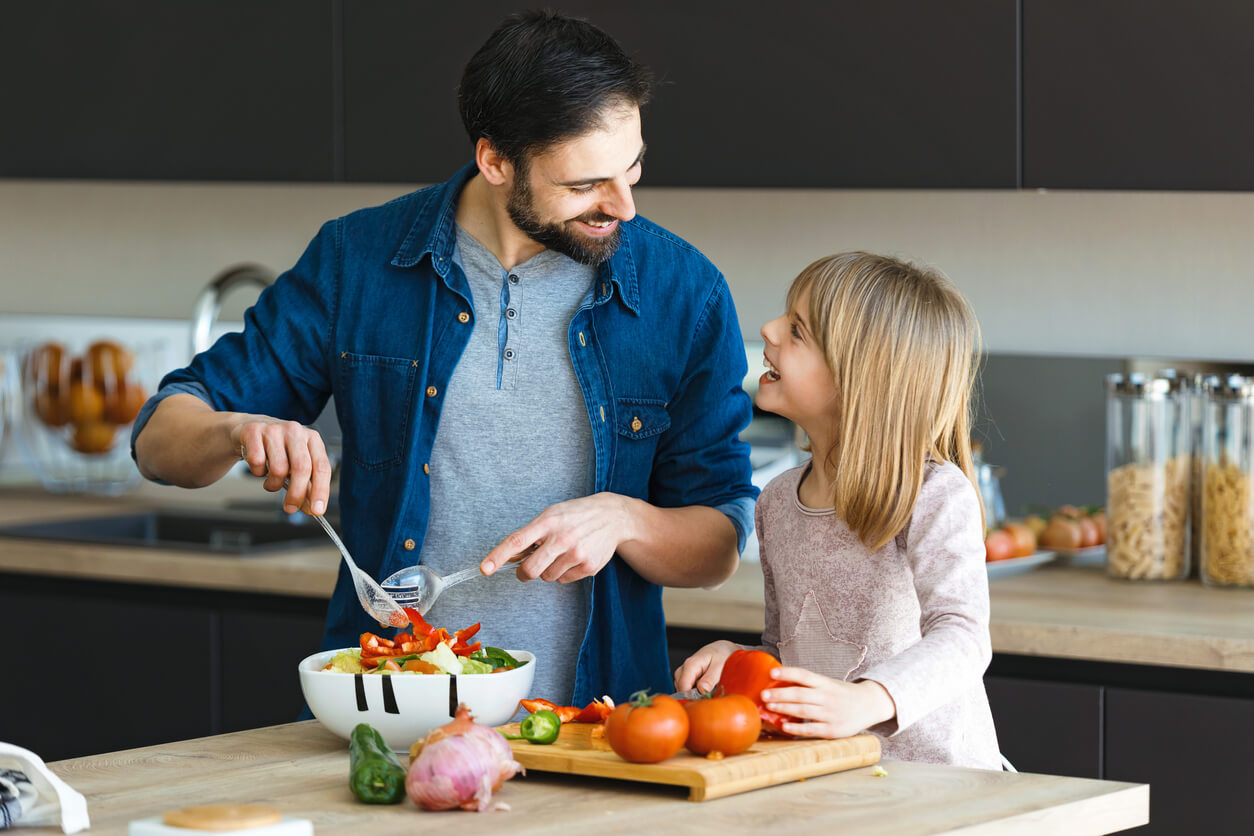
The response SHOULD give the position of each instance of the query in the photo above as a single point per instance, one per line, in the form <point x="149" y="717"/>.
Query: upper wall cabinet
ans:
<point x="1138" y="94"/>
<point x="900" y="93"/>
<point x="145" y="89"/>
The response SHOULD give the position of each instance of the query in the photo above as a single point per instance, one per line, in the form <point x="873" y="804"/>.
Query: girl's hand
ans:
<point x="703" y="669"/>
<point x="834" y="708"/>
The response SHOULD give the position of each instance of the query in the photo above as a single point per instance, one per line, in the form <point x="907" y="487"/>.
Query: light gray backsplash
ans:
<point x="1043" y="419"/>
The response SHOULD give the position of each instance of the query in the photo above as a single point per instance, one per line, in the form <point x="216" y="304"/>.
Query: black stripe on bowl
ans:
<point x="452" y="695"/>
<point x="389" y="696"/>
<point x="360" y="687"/>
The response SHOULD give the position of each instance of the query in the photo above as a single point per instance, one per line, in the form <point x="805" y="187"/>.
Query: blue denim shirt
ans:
<point x="377" y="314"/>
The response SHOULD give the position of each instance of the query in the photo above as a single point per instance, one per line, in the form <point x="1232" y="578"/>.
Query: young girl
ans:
<point x="873" y="552"/>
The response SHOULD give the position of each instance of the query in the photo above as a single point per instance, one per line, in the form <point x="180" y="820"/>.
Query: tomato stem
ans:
<point x="640" y="699"/>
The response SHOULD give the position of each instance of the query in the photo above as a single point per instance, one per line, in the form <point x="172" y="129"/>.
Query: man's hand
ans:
<point x="285" y="451"/>
<point x="573" y="540"/>
<point x="834" y="708"/>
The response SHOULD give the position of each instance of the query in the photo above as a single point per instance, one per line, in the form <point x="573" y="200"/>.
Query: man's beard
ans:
<point x="559" y="236"/>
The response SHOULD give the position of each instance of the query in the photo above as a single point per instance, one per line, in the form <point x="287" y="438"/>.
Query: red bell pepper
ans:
<point x="748" y="672"/>
<point x="594" y="712"/>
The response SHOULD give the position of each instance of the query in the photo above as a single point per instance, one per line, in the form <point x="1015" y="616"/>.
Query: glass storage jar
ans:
<point x="1197" y="399"/>
<point x="1148" y="440"/>
<point x="1227" y="552"/>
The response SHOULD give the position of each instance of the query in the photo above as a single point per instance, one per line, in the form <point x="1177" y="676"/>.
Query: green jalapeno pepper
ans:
<point x="538" y="727"/>
<point x="375" y="775"/>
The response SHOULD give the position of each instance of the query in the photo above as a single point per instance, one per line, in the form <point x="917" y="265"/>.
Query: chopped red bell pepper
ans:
<point x="594" y="712"/>
<point x="417" y="624"/>
<point x="422" y="639"/>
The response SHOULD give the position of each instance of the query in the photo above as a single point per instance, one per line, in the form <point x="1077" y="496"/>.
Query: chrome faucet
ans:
<point x="209" y="302"/>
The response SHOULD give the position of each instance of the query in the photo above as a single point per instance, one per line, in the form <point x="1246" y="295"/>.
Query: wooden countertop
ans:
<point x="1064" y="612"/>
<point x="302" y="769"/>
<point x="1058" y="611"/>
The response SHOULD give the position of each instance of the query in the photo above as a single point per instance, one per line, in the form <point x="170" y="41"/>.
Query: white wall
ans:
<point x="1118" y="273"/>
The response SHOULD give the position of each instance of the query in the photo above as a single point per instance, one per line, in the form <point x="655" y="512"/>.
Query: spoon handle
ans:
<point x="463" y="575"/>
<point x="335" y="538"/>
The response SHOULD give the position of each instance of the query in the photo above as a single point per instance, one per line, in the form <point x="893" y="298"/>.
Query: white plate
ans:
<point x="1087" y="556"/>
<point x="1015" y="565"/>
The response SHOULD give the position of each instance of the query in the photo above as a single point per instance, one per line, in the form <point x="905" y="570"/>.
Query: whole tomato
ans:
<point x="1023" y="536"/>
<point x="1062" y="532"/>
<point x="1099" y="520"/>
<point x="999" y="545"/>
<point x="728" y="724"/>
<point x="747" y="672"/>
<point x="648" y="729"/>
<point x="1089" y="535"/>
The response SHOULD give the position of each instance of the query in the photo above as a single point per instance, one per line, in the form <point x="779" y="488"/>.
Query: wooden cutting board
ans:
<point x="766" y="763"/>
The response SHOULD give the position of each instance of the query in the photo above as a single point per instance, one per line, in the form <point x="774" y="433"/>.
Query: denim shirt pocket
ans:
<point x="642" y="418"/>
<point x="377" y="399"/>
<point x="639" y="422"/>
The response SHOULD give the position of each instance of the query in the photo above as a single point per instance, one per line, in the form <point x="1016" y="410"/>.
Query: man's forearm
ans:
<point x="692" y="546"/>
<point x="186" y="443"/>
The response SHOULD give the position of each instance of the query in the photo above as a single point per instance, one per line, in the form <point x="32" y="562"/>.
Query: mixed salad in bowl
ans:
<point x="423" y="650"/>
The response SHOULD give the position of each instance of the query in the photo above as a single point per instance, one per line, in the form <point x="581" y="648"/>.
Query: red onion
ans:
<point x="460" y="765"/>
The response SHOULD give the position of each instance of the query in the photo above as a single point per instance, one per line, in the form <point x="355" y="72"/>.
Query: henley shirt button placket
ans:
<point x="513" y="279"/>
<point x="509" y="354"/>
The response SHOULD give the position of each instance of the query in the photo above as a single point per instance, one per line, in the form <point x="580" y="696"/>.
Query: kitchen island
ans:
<point x="1092" y="677"/>
<point x="301" y="769"/>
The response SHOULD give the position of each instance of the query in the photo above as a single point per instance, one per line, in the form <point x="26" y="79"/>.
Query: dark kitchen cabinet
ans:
<point x="148" y="89"/>
<point x="905" y="93"/>
<point x="1048" y="727"/>
<point x="99" y="666"/>
<point x="89" y="673"/>
<point x="1138" y="94"/>
<point x="1195" y="751"/>
<point x="260" y="686"/>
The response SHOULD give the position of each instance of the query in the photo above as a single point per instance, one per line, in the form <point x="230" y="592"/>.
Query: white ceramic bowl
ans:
<point x="404" y="707"/>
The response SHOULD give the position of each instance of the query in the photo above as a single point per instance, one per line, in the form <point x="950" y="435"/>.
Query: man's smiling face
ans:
<point x="572" y="197"/>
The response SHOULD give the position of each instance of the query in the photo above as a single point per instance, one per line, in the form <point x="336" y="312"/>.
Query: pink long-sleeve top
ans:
<point x="912" y="615"/>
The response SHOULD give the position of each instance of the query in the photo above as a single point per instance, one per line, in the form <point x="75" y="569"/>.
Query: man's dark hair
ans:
<point x="542" y="78"/>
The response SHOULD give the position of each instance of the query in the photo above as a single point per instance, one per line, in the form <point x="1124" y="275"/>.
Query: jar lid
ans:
<point x="1233" y="386"/>
<point x="1142" y="385"/>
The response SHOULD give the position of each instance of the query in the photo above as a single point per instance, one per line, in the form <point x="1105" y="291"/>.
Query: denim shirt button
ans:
<point x="409" y="545"/>
<point x="463" y="317"/>
<point x="636" y="425"/>
<point x="426" y="468"/>
<point x="431" y="390"/>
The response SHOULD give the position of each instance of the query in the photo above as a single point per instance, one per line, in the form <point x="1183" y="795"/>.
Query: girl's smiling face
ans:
<point x="798" y="383"/>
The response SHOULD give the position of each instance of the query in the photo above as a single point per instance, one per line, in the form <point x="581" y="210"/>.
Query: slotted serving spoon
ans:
<point x="418" y="586"/>
<point x="373" y="599"/>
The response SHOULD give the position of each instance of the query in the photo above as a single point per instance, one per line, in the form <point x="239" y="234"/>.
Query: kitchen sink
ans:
<point x="238" y="533"/>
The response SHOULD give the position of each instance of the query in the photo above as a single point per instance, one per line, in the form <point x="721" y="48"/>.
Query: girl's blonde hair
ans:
<point x="903" y="345"/>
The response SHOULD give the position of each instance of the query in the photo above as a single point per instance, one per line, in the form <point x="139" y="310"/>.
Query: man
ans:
<point x="517" y="360"/>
